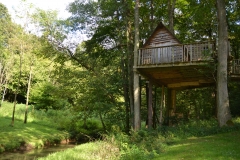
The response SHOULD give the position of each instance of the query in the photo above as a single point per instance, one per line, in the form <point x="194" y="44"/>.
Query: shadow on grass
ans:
<point x="221" y="146"/>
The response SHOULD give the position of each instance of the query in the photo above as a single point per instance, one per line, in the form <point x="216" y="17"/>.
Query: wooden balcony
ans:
<point x="235" y="69"/>
<point x="178" y="66"/>
<point x="176" y="54"/>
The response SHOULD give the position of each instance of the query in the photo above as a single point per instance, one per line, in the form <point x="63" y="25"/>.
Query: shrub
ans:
<point x="2" y="149"/>
<point x="142" y="145"/>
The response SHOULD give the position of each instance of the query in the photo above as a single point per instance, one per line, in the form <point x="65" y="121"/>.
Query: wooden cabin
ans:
<point x="165" y="61"/>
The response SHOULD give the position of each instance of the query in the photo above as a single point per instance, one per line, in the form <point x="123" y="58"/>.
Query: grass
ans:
<point x="99" y="150"/>
<point x="34" y="134"/>
<point x="186" y="141"/>
<point x="221" y="147"/>
<point x="224" y="146"/>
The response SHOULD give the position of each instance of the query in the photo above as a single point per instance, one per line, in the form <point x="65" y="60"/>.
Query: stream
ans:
<point x="34" y="154"/>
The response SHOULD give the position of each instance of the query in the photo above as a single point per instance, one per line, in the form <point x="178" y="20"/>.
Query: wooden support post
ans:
<point x="173" y="99"/>
<point x="150" y="107"/>
<point x="171" y="105"/>
<point x="168" y="106"/>
<point x="147" y="92"/>
<point x="161" y="106"/>
<point x="155" y="119"/>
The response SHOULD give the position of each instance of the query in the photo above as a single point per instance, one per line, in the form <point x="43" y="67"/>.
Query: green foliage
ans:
<point x="56" y="118"/>
<point x="85" y="131"/>
<point x="197" y="129"/>
<point x="234" y="98"/>
<point x="45" y="97"/>
<point x="5" y="26"/>
<point x="143" y="144"/>
<point x="132" y="152"/>
<point x="196" y="103"/>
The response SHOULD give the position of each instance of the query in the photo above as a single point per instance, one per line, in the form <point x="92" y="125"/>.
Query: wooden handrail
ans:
<point x="194" y="43"/>
<point x="176" y="53"/>
<point x="236" y="66"/>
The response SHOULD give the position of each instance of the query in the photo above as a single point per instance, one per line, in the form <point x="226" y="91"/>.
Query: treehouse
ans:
<point x="165" y="61"/>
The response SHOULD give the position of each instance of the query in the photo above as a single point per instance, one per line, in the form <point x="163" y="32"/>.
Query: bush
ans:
<point x="84" y="132"/>
<point x="142" y="145"/>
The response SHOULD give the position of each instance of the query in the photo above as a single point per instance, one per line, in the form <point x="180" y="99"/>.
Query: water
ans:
<point x="34" y="154"/>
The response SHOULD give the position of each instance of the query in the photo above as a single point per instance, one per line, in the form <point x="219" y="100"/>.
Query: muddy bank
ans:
<point x="33" y="154"/>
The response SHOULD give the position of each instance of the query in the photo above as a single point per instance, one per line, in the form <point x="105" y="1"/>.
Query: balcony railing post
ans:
<point x="190" y="53"/>
<point x="172" y="52"/>
<point x="139" y="57"/>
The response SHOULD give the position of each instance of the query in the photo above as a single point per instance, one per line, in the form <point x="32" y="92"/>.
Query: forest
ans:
<point x="82" y="68"/>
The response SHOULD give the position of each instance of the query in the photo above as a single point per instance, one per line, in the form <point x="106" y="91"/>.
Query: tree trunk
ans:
<point x="171" y="7"/>
<point x="16" y="92"/>
<point x="223" y="110"/>
<point x="136" y="88"/>
<point x="151" y="16"/>
<point x="3" y="94"/>
<point x="28" y="92"/>
<point x="103" y="124"/>
<point x="130" y="84"/>
<point x="126" y="95"/>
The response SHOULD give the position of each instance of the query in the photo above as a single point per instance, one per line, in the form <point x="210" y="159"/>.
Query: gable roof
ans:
<point x="155" y="35"/>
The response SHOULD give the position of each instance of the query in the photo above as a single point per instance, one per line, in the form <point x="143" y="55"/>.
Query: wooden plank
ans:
<point x="183" y="84"/>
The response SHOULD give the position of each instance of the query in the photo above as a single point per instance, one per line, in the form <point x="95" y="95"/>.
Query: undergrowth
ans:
<point x="146" y="144"/>
<point x="198" y="128"/>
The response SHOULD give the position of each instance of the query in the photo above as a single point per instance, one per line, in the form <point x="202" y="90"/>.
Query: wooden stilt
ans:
<point x="171" y="105"/>
<point x="150" y="106"/>
<point x="161" y="106"/>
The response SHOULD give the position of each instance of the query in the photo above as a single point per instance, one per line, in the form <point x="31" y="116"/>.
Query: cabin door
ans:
<point x="164" y="53"/>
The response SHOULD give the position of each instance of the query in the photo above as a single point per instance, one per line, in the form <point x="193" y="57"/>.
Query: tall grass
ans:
<point x="54" y="118"/>
<point x="98" y="150"/>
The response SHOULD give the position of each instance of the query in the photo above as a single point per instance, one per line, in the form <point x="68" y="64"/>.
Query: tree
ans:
<point x="28" y="90"/>
<point x="22" y="45"/>
<point x="171" y="7"/>
<point x="97" y="59"/>
<point x="136" y="91"/>
<point x="223" y="113"/>
<point x="6" y="61"/>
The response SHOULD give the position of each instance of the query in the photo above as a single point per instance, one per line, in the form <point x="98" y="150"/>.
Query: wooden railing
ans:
<point x="236" y="66"/>
<point x="176" y="53"/>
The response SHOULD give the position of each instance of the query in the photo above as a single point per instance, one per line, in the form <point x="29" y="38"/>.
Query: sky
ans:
<point x="59" y="5"/>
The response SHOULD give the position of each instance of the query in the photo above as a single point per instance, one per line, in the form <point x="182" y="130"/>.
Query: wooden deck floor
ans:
<point x="180" y="75"/>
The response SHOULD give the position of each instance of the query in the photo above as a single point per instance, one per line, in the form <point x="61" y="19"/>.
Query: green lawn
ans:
<point x="217" y="147"/>
<point x="35" y="133"/>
